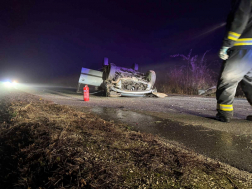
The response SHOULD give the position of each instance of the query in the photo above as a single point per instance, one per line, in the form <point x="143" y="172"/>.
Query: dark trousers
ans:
<point x="238" y="68"/>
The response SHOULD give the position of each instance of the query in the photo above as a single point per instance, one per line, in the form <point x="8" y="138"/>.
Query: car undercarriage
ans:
<point x="119" y="81"/>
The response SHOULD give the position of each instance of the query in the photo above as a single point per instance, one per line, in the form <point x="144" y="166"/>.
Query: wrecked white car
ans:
<point x="119" y="81"/>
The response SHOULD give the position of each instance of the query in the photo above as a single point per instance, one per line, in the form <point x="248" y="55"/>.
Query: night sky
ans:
<point x="45" y="41"/>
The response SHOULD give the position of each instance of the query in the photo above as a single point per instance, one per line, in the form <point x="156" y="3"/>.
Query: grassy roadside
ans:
<point x="52" y="146"/>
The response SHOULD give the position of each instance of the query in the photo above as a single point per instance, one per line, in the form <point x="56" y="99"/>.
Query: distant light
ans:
<point x="14" y="83"/>
<point x="7" y="84"/>
<point x="10" y="84"/>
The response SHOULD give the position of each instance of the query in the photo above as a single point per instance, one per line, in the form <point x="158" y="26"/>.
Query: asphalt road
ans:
<point x="185" y="120"/>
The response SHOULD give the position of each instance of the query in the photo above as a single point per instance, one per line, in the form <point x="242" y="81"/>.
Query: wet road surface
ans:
<point x="186" y="120"/>
<point x="235" y="150"/>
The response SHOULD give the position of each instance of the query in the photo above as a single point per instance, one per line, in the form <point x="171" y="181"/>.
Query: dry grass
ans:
<point x="44" y="145"/>
<point x="193" y="75"/>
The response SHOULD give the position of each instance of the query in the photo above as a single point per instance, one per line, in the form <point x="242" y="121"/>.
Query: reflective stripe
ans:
<point x="227" y="110"/>
<point x="243" y="41"/>
<point x="225" y="107"/>
<point x="239" y="44"/>
<point x="233" y="36"/>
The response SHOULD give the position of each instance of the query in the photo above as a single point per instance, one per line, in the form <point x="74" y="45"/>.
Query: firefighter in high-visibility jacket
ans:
<point x="236" y="52"/>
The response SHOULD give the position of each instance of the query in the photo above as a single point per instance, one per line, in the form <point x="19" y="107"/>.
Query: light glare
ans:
<point x="10" y="84"/>
<point x="7" y="84"/>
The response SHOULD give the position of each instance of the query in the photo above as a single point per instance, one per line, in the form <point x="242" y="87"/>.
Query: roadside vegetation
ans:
<point x="45" y="145"/>
<point x="194" y="74"/>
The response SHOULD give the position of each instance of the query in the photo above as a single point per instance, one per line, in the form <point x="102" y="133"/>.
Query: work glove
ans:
<point x="223" y="53"/>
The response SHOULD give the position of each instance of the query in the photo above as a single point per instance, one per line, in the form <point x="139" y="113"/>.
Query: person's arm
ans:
<point x="241" y="17"/>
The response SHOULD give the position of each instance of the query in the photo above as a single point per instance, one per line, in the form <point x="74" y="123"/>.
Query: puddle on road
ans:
<point x="228" y="148"/>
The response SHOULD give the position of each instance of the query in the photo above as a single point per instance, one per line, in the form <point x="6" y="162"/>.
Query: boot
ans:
<point x="249" y="117"/>
<point x="224" y="116"/>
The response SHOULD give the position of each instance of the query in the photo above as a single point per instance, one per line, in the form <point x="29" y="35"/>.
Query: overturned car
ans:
<point x="119" y="81"/>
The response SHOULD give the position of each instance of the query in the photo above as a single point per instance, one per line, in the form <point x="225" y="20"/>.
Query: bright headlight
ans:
<point x="7" y="83"/>
<point x="10" y="84"/>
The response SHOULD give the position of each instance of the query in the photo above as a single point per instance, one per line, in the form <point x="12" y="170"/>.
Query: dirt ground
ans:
<point x="45" y="145"/>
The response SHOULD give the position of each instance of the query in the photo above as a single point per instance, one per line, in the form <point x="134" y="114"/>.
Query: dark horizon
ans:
<point x="46" y="41"/>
